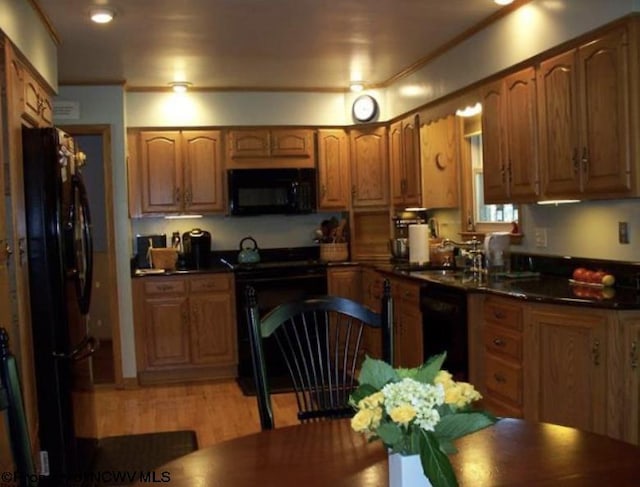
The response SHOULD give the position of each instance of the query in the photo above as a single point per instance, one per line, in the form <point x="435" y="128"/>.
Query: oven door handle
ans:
<point x="281" y="278"/>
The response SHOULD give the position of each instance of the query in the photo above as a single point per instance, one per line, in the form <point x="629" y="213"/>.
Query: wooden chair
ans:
<point x="321" y="340"/>
<point x="11" y="401"/>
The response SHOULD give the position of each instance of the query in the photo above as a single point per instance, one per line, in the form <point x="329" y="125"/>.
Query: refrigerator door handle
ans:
<point x="83" y="350"/>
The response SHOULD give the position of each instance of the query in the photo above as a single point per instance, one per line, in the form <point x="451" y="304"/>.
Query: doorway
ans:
<point x="95" y="142"/>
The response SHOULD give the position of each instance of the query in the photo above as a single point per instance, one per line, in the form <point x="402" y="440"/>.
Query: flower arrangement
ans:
<point x="417" y="411"/>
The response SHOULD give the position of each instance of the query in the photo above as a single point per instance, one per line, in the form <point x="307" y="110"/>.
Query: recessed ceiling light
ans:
<point x="356" y="86"/>
<point x="102" y="15"/>
<point x="503" y="2"/>
<point x="469" y="111"/>
<point x="180" y="86"/>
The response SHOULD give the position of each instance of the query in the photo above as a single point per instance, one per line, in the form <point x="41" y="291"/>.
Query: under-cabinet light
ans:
<point x="557" y="202"/>
<point x="181" y="217"/>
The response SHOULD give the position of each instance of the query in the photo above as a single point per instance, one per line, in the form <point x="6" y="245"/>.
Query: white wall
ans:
<point x="20" y="23"/>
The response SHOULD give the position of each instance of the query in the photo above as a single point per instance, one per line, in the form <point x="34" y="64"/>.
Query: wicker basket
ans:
<point x="164" y="258"/>
<point x="334" y="252"/>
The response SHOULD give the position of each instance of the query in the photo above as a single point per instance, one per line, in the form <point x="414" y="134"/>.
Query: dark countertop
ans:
<point x="540" y="288"/>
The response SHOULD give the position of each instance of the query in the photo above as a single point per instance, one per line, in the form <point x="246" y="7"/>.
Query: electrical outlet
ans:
<point x="540" y="235"/>
<point x="623" y="232"/>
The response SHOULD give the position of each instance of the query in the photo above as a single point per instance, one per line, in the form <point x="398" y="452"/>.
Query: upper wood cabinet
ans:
<point x="32" y="100"/>
<point x="583" y="105"/>
<point x="175" y="171"/>
<point x="439" y="153"/>
<point x="404" y="160"/>
<point x="509" y="138"/>
<point x="334" y="187"/>
<point x="369" y="167"/>
<point x="256" y="148"/>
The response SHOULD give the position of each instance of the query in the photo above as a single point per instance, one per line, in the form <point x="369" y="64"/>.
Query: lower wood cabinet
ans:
<point x="407" y="323"/>
<point x="185" y="327"/>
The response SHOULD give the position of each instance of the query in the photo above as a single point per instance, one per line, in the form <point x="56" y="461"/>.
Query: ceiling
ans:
<point x="255" y="44"/>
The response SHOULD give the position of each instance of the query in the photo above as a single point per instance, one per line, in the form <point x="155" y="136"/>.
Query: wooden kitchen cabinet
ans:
<point x="404" y="151"/>
<point x="407" y="324"/>
<point x="266" y="148"/>
<point x="369" y="167"/>
<point x="345" y="282"/>
<point x="566" y="357"/>
<point x="509" y="139"/>
<point x="502" y="324"/>
<point x="372" y="290"/>
<point x="440" y="156"/>
<point x="185" y="327"/>
<point x="333" y="170"/>
<point x="583" y="97"/>
<point x="175" y="172"/>
<point x="624" y="378"/>
<point x="33" y="101"/>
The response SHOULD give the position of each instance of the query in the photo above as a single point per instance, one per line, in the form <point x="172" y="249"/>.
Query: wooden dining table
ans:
<point x="329" y="454"/>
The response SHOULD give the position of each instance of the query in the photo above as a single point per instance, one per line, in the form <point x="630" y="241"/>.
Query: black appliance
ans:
<point x="282" y="275"/>
<point x="196" y="245"/>
<point x="60" y="254"/>
<point x="444" y="318"/>
<point x="271" y="191"/>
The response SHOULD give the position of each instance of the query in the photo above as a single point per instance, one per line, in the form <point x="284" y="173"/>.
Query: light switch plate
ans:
<point x="540" y="235"/>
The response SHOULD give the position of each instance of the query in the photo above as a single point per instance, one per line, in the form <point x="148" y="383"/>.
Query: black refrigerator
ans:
<point x="60" y="259"/>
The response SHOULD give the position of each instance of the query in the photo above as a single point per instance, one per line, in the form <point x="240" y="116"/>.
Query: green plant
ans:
<point x="417" y="411"/>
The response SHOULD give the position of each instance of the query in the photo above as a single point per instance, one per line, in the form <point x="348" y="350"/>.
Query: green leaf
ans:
<point x="391" y="435"/>
<point x="447" y="446"/>
<point x="435" y="463"/>
<point x="427" y="373"/>
<point x="376" y="373"/>
<point x="360" y="393"/>
<point x="460" y="424"/>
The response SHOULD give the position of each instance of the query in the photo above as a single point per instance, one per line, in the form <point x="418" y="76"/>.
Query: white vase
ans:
<point x="406" y="471"/>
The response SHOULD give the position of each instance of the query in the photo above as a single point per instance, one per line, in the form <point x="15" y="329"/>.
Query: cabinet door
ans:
<point x="248" y="143"/>
<point x="203" y="188"/>
<point x="166" y="331"/>
<point x="411" y="157"/>
<point x="625" y="362"/>
<point x="291" y="143"/>
<point x="565" y="355"/>
<point x="604" y="112"/>
<point x="372" y="289"/>
<point x="369" y="167"/>
<point x="396" y="164"/>
<point x="346" y="283"/>
<point x="439" y="155"/>
<point x="558" y="129"/>
<point x="522" y="142"/>
<point x="407" y="326"/>
<point x="161" y="172"/>
<point x="333" y="169"/>
<point x="494" y="159"/>
<point x="212" y="319"/>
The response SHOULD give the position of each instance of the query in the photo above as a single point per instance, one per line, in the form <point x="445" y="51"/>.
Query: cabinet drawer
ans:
<point x="409" y="294"/>
<point x="209" y="284"/>
<point x="503" y="341"/>
<point x="504" y="379"/>
<point x="506" y="314"/>
<point x="165" y="286"/>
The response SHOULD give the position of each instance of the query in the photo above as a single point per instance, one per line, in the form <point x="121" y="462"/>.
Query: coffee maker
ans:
<point x="196" y="244"/>
<point x="399" y="243"/>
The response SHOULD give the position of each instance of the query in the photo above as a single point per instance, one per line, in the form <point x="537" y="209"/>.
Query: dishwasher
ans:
<point x="444" y="323"/>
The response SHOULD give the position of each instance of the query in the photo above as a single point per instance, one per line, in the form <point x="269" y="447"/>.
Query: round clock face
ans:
<point x="365" y="108"/>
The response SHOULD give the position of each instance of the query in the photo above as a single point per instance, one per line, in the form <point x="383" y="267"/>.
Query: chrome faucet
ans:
<point x="474" y="248"/>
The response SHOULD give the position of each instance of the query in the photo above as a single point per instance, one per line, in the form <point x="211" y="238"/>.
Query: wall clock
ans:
<point x="365" y="108"/>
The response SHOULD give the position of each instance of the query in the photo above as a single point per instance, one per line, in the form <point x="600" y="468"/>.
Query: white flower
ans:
<point x="423" y="398"/>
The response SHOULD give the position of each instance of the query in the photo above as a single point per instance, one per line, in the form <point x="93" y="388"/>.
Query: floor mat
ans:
<point x="121" y="460"/>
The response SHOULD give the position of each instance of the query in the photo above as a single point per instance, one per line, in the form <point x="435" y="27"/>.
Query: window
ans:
<point x="505" y="213"/>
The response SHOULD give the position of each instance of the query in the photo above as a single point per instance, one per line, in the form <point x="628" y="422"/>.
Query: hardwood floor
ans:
<point x="216" y="411"/>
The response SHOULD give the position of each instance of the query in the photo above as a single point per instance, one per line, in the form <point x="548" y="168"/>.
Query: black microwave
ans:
<point x="271" y="191"/>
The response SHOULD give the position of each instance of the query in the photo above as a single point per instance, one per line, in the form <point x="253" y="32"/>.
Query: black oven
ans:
<point x="275" y="283"/>
<point x="271" y="191"/>
<point x="444" y="317"/>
